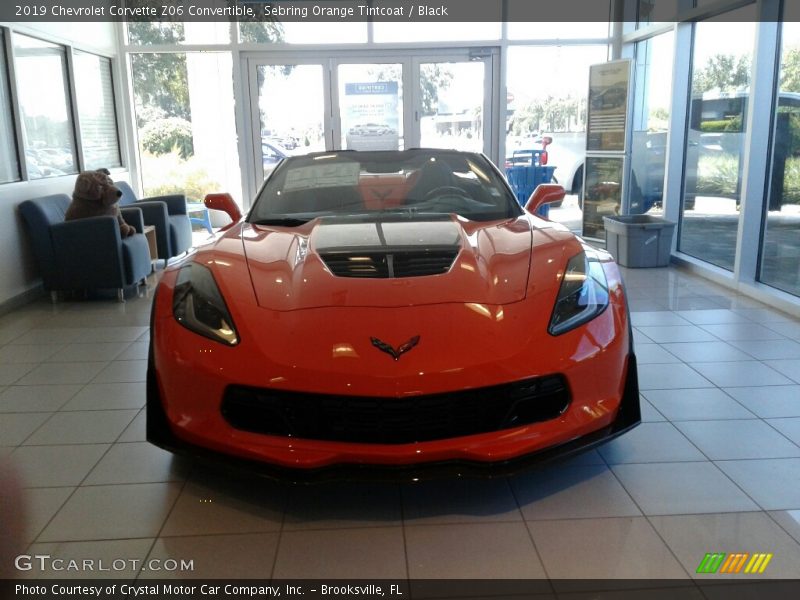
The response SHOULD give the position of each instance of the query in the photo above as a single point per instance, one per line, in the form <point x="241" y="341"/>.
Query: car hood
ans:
<point x="327" y="263"/>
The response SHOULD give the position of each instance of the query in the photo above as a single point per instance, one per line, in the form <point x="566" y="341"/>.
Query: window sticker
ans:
<point x="337" y="174"/>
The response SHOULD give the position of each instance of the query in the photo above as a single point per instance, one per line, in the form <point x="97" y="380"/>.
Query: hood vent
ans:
<point x="390" y="265"/>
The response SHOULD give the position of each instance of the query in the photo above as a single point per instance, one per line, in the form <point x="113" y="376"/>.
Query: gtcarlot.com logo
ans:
<point x="46" y="562"/>
<point x="734" y="563"/>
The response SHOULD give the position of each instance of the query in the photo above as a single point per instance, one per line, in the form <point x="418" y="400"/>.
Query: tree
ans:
<point x="724" y="73"/>
<point x="790" y="70"/>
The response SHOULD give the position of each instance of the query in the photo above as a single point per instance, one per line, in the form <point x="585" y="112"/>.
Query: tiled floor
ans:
<point x="714" y="467"/>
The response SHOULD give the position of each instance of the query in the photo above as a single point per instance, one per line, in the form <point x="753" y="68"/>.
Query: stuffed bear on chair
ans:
<point x="95" y="195"/>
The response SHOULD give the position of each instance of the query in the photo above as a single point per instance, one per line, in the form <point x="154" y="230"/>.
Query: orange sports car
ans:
<point x="390" y="315"/>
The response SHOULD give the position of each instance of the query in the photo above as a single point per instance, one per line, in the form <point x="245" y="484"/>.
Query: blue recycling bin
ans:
<point x="525" y="171"/>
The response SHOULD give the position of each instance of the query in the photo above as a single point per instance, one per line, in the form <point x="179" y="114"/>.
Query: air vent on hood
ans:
<point x="396" y="264"/>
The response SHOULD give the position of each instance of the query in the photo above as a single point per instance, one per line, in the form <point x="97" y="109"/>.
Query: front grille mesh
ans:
<point x="389" y="265"/>
<point x="380" y="420"/>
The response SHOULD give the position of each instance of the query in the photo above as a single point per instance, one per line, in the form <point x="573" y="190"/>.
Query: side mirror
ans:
<point x="544" y="194"/>
<point x="225" y="203"/>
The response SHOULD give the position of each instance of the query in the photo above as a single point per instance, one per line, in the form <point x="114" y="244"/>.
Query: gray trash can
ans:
<point x="639" y="240"/>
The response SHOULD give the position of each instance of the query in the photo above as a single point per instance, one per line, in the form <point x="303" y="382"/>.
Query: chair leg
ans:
<point x="54" y="296"/>
<point x="120" y="295"/>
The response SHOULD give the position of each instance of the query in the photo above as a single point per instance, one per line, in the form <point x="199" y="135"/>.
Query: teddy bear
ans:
<point x="95" y="195"/>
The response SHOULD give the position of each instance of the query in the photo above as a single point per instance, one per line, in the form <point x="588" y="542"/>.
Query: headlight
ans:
<point x="583" y="294"/>
<point x="198" y="305"/>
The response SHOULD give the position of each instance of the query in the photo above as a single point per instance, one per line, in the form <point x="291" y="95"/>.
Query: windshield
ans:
<point x="409" y="184"/>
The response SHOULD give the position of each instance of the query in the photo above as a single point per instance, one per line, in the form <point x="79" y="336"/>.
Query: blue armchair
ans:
<point x="85" y="254"/>
<point x="169" y="216"/>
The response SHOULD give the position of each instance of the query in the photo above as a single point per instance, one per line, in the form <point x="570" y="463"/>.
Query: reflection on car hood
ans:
<point x="388" y="262"/>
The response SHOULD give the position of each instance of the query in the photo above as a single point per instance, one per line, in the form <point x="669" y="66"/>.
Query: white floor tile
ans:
<point x="696" y="404"/>
<point x="62" y="373"/>
<point x="770" y="482"/>
<point x="474" y="551"/>
<point x="85" y="427"/>
<point x="657" y="318"/>
<point x="682" y="488"/>
<point x="677" y="333"/>
<point x="112" y="512"/>
<point x="742" y="331"/>
<point x="123" y="371"/>
<point x="41" y="504"/>
<point x="367" y="553"/>
<point x="343" y="505"/>
<point x="138" y="462"/>
<point x="789" y="367"/>
<point x="740" y="373"/>
<point x="561" y="492"/>
<point x="53" y="466"/>
<point x="738" y="439"/>
<point x="788" y="427"/>
<point x="15" y="428"/>
<point x="460" y="501"/>
<point x="623" y="548"/>
<point x="10" y="374"/>
<point x="650" y="442"/>
<point x="769" y="349"/>
<point x="706" y="352"/>
<point x="692" y="536"/>
<point x="137" y="430"/>
<point x="211" y="509"/>
<point x="34" y="353"/>
<point x="36" y="398"/>
<point x="89" y="352"/>
<point x="769" y="401"/>
<point x="108" y="396"/>
<point x="654" y="354"/>
<point x="111" y="334"/>
<point x="677" y="376"/>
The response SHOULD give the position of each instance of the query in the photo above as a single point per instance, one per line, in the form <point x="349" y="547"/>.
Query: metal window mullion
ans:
<point x="678" y="124"/>
<point x="73" y="106"/>
<point x="16" y="110"/>
<point x="757" y="142"/>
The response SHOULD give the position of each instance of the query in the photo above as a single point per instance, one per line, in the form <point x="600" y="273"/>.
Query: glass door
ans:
<point x="453" y="99"/>
<point x="404" y="99"/>
<point x="370" y="105"/>
<point x="288" y="112"/>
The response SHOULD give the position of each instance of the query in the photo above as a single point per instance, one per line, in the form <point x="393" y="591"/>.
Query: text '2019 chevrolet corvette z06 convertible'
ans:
<point x="390" y="314"/>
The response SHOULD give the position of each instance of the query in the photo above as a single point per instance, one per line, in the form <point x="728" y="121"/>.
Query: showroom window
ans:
<point x="175" y="32"/>
<point x="715" y="141"/>
<point x="780" y="250"/>
<point x="651" y="109"/>
<point x="185" y="122"/>
<point x="556" y="110"/>
<point x="48" y="134"/>
<point x="9" y="164"/>
<point x="95" y="100"/>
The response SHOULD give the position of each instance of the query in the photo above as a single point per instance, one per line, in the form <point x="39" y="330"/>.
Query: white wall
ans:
<point x="18" y="273"/>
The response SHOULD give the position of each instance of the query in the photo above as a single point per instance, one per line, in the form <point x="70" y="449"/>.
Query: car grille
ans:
<point x="397" y="264"/>
<point x="377" y="420"/>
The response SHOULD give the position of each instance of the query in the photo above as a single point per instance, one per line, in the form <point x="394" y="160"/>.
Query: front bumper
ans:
<point x="160" y="433"/>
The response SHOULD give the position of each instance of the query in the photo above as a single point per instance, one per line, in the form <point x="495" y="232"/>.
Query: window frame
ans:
<point x="71" y="97"/>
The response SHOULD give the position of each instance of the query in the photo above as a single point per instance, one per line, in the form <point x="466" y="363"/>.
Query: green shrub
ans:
<point x="717" y="174"/>
<point x="165" y="135"/>
<point x="791" y="182"/>
<point x="170" y="174"/>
